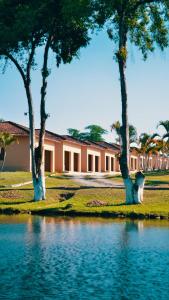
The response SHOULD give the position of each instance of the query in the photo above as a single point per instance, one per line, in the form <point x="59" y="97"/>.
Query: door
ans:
<point x="90" y="161"/>
<point x="67" y="161"/>
<point x="76" y="162"/>
<point x="47" y="161"/>
<point x="96" y="163"/>
<point x="112" y="164"/>
<point x="107" y="163"/>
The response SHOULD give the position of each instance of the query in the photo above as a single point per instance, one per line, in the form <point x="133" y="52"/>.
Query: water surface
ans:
<point x="54" y="258"/>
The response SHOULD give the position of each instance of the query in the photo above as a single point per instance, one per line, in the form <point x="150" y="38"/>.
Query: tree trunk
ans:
<point x="38" y="183"/>
<point x="43" y="115"/>
<point x="37" y="177"/>
<point x="3" y="162"/>
<point x="139" y="188"/>
<point x="131" y="197"/>
<point x="124" y="158"/>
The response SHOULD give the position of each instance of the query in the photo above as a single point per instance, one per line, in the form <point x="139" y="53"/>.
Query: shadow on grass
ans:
<point x="60" y="177"/>
<point x="157" y="173"/>
<point x="15" y="203"/>
<point x="156" y="182"/>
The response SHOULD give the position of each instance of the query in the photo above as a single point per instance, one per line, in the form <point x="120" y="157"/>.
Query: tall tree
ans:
<point x="142" y="22"/>
<point x="60" y="26"/>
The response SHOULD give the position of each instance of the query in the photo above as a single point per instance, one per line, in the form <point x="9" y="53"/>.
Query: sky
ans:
<point x="87" y="91"/>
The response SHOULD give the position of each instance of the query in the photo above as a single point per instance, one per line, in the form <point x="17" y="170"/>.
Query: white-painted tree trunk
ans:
<point x="134" y="191"/>
<point x="39" y="188"/>
<point x="129" y="190"/>
<point x="138" y="188"/>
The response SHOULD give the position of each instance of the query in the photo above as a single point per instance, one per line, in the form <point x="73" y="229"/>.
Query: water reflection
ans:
<point x="80" y="258"/>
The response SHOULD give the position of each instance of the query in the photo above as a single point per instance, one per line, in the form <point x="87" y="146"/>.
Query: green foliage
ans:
<point x="143" y="23"/>
<point x="94" y="133"/>
<point x="6" y="139"/>
<point x="165" y="125"/>
<point x="148" y="144"/>
<point x="133" y="138"/>
<point x="64" y="22"/>
<point x="75" y="133"/>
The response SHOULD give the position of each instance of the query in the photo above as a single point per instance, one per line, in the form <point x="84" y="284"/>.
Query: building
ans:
<point x="64" y="153"/>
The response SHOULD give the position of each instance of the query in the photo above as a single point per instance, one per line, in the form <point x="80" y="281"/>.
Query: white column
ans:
<point x="93" y="163"/>
<point x="99" y="163"/>
<point x="79" y="162"/>
<point x="109" y="163"/>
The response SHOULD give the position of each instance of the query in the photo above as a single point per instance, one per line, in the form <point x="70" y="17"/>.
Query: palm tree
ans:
<point x="132" y="132"/>
<point x="6" y="139"/>
<point x="116" y="127"/>
<point x="163" y="149"/>
<point x="148" y="145"/>
<point x="165" y="125"/>
<point x="133" y="138"/>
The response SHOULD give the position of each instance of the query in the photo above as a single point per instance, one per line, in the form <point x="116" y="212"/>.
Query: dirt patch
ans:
<point x="66" y="196"/>
<point x="96" y="203"/>
<point x="10" y="195"/>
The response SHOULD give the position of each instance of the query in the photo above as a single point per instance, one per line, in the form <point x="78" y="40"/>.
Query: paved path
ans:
<point x="97" y="182"/>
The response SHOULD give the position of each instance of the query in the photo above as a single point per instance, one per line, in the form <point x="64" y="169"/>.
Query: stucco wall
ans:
<point x="72" y="148"/>
<point x="18" y="156"/>
<point x="84" y="159"/>
<point x="59" y="157"/>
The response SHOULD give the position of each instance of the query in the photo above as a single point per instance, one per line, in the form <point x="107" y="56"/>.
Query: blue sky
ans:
<point x="88" y="92"/>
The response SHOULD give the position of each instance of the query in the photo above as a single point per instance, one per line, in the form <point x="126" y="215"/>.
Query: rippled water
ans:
<point x="50" y="258"/>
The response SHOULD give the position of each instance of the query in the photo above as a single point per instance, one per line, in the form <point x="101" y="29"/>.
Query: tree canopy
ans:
<point x="93" y="133"/>
<point x="59" y="26"/>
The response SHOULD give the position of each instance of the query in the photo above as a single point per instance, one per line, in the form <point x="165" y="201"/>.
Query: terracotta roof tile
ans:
<point x="110" y="146"/>
<point x="72" y="139"/>
<point x="13" y="128"/>
<point x="51" y="135"/>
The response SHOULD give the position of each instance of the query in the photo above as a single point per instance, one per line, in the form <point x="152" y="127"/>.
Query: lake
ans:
<point x="44" y="258"/>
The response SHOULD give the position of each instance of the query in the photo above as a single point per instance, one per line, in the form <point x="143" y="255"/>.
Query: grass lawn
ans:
<point x="9" y="178"/>
<point x="12" y="178"/>
<point x="65" y="197"/>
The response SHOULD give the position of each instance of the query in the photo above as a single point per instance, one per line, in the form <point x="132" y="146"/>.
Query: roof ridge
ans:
<point x="73" y="138"/>
<point x="18" y="125"/>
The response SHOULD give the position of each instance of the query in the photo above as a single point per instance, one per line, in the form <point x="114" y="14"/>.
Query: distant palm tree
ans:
<point x="133" y="138"/>
<point x="6" y="139"/>
<point x="163" y="149"/>
<point x="132" y="133"/>
<point x="116" y="127"/>
<point x="148" y="145"/>
<point x="165" y="125"/>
